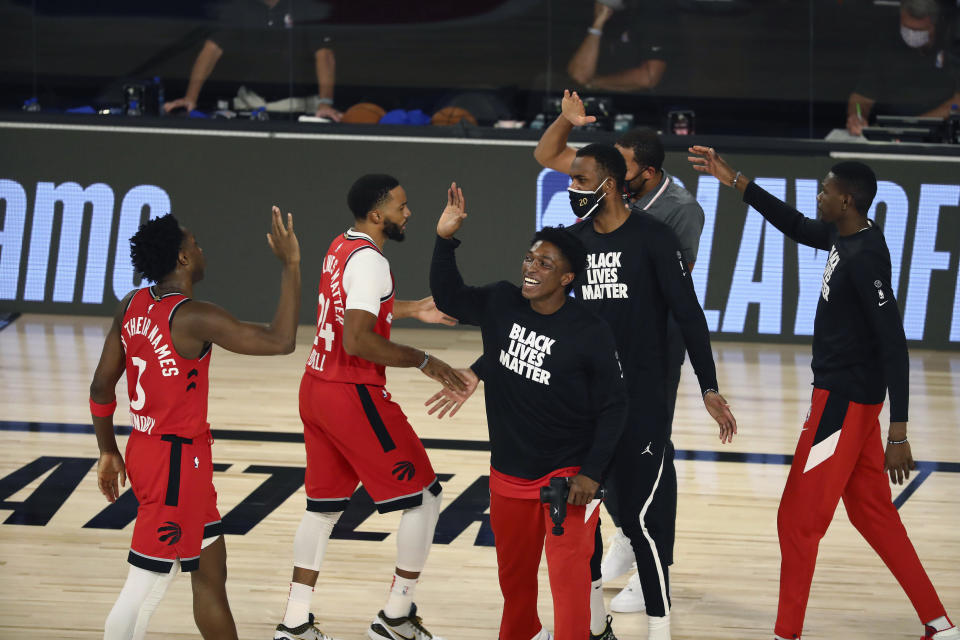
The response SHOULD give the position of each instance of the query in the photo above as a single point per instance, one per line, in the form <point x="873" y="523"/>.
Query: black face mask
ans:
<point x="632" y="192"/>
<point x="585" y="203"/>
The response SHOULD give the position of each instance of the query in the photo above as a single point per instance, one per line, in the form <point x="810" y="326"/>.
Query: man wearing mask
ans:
<point x="635" y="279"/>
<point x="915" y="73"/>
<point x="651" y="190"/>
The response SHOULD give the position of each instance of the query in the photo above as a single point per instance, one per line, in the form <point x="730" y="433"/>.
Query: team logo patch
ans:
<point x="877" y="284"/>
<point x="196" y="462"/>
<point x="404" y="470"/>
<point x="169" y="532"/>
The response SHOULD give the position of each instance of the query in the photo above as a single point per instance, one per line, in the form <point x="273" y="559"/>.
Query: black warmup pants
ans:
<point x="642" y="486"/>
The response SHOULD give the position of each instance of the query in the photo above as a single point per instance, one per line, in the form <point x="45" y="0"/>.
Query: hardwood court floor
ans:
<point x="61" y="578"/>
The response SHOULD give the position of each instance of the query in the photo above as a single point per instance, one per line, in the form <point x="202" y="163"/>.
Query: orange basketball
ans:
<point x="452" y="115"/>
<point x="363" y="113"/>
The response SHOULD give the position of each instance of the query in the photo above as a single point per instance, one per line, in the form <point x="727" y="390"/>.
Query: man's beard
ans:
<point x="393" y="231"/>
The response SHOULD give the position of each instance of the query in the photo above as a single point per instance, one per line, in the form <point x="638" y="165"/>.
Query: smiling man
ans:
<point x="352" y="430"/>
<point x="555" y="408"/>
<point x="859" y="352"/>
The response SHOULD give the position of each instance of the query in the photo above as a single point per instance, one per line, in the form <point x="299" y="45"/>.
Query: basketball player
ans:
<point x="648" y="188"/>
<point x="636" y="277"/>
<point x="162" y="339"/>
<point x="859" y="353"/>
<point x="353" y="430"/>
<point x="556" y="405"/>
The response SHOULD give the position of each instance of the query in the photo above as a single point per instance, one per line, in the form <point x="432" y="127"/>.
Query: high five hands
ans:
<point x="453" y="214"/>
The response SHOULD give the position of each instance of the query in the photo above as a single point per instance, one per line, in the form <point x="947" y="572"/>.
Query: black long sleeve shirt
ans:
<point x="554" y="391"/>
<point x="634" y="275"/>
<point x="859" y="347"/>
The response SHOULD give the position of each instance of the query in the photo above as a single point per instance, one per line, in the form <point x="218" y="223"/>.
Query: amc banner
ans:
<point x="70" y="198"/>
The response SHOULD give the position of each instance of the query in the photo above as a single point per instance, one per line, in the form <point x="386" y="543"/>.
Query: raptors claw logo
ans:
<point x="404" y="470"/>
<point x="169" y="533"/>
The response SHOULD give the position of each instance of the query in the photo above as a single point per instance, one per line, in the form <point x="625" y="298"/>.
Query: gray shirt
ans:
<point x="673" y="205"/>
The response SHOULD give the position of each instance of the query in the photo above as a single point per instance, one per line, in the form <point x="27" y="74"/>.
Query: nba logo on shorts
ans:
<point x="553" y="202"/>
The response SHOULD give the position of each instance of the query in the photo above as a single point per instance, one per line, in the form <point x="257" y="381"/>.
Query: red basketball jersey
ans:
<point x="168" y="393"/>
<point x="328" y="360"/>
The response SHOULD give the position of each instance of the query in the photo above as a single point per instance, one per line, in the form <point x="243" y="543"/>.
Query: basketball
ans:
<point x="449" y="116"/>
<point x="363" y="113"/>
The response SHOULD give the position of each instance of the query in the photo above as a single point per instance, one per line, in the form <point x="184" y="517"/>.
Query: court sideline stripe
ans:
<point x="924" y="467"/>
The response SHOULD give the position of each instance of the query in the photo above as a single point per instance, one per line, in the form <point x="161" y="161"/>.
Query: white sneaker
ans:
<point x="307" y="631"/>
<point x="630" y="598"/>
<point x="543" y="635"/>
<point x="953" y="633"/>
<point x="619" y="558"/>
<point x="409" y="627"/>
<point x="658" y="628"/>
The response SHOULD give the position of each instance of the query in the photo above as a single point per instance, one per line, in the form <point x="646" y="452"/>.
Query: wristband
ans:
<point x="897" y="441"/>
<point x="426" y="359"/>
<point x="594" y="31"/>
<point x="102" y="410"/>
<point x="328" y="101"/>
<point x="735" y="179"/>
<point x="710" y="391"/>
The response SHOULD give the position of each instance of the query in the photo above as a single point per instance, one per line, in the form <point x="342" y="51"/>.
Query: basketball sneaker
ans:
<point x="543" y="634"/>
<point x="619" y="558"/>
<point x="630" y="598"/>
<point x="409" y="627"/>
<point x="307" y="631"/>
<point x="607" y="633"/>
<point x="931" y="633"/>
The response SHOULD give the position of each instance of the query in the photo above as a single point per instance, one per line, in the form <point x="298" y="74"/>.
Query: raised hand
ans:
<point x="601" y="13"/>
<point x="453" y="214"/>
<point x="109" y="468"/>
<point x="446" y="400"/>
<point x="426" y="311"/>
<point x="572" y="108"/>
<point x="706" y="160"/>
<point x="282" y="239"/>
<point x="719" y="410"/>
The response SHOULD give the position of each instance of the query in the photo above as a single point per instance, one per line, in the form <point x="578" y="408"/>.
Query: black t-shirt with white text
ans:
<point x="635" y="275"/>
<point x="859" y="347"/>
<point x="554" y="388"/>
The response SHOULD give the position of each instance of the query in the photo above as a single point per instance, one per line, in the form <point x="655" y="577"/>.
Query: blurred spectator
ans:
<point x="259" y="24"/>
<point x="914" y="72"/>
<point x="624" y="49"/>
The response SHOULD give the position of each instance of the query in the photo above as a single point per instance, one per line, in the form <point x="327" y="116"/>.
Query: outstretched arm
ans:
<point x="200" y="323"/>
<point x="552" y="151"/>
<point x="424" y="310"/>
<point x="583" y="65"/>
<point x="792" y="223"/>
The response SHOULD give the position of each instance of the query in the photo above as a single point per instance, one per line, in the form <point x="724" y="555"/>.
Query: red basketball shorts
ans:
<point x="172" y="479"/>
<point x="356" y="433"/>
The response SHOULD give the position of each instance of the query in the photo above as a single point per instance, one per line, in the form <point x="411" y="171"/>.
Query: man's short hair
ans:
<point x="155" y="247"/>
<point x="921" y="9"/>
<point x="572" y="248"/>
<point x="609" y="161"/>
<point x="369" y="192"/>
<point x="647" y="147"/>
<point x="858" y="180"/>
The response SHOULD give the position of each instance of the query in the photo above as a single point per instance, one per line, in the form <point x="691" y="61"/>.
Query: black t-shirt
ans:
<point x="634" y="276"/>
<point x="631" y="38"/>
<point x="554" y="389"/>
<point x="859" y="347"/>
<point x="907" y="81"/>
<point x="266" y="33"/>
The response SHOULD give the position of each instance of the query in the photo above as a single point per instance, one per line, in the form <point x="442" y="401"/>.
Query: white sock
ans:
<point x="298" y="605"/>
<point x="776" y="637"/>
<point x="598" y="612"/>
<point x="401" y="597"/>
<point x="658" y="627"/>
<point x="940" y="624"/>
<point x="138" y="599"/>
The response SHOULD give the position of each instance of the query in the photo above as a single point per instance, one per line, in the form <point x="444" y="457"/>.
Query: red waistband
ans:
<point x="513" y="487"/>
